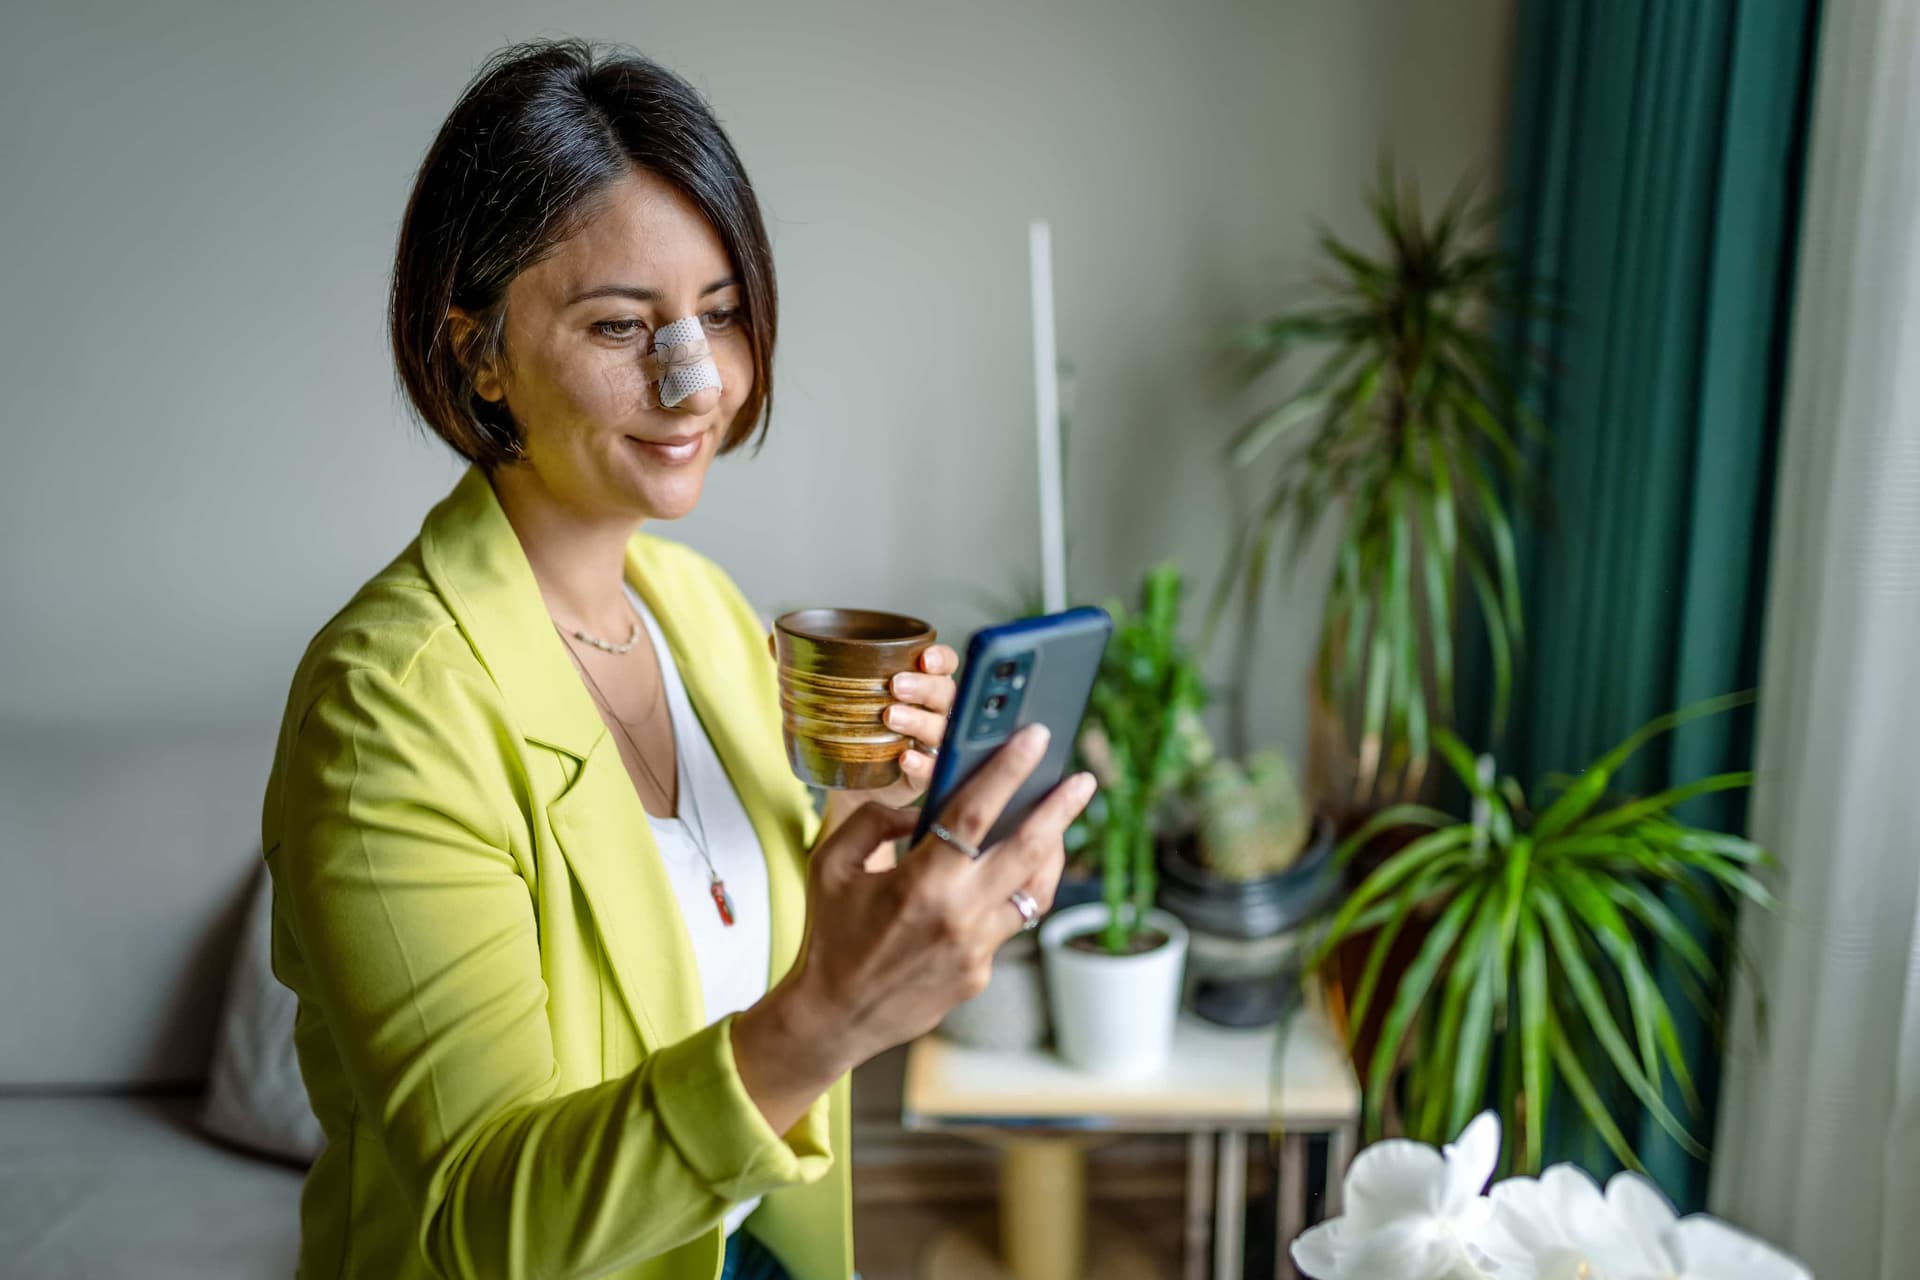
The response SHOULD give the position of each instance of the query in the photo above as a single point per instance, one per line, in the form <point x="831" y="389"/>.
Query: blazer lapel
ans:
<point x="724" y="698"/>
<point x="475" y="559"/>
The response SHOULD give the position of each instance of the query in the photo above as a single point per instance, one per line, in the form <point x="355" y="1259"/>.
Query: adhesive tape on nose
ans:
<point x="683" y="361"/>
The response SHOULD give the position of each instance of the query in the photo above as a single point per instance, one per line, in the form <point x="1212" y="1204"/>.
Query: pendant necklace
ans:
<point x="716" y="887"/>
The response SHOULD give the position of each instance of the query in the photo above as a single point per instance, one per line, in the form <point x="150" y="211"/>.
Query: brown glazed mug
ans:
<point x="835" y="665"/>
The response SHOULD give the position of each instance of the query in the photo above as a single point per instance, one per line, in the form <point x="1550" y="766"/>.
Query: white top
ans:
<point x="733" y="961"/>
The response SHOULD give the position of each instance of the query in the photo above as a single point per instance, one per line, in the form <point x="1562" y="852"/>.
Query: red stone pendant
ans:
<point x="723" y="900"/>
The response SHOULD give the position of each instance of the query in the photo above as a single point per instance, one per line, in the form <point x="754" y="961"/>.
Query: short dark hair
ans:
<point x="535" y="141"/>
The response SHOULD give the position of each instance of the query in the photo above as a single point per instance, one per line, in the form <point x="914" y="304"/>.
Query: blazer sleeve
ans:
<point x="418" y="935"/>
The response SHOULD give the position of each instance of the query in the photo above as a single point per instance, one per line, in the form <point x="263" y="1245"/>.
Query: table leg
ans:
<point x="1043" y="1208"/>
<point x="1341" y="1145"/>
<point x="1199" y="1204"/>
<point x="1230" y="1207"/>
<point x="1290" y="1202"/>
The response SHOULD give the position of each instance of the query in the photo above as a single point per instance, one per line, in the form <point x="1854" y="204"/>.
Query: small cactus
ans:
<point x="1252" y="820"/>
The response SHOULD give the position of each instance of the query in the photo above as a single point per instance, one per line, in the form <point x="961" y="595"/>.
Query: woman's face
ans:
<point x="579" y="324"/>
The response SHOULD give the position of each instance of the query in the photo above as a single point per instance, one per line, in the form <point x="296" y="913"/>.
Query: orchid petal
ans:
<point x="1408" y="1250"/>
<point x="1470" y="1160"/>
<point x="1393" y="1180"/>
<point x="1641" y="1206"/>
<point x="1317" y="1250"/>
<point x="1712" y="1250"/>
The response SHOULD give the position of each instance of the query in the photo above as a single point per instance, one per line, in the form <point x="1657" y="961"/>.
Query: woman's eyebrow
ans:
<point x="640" y="293"/>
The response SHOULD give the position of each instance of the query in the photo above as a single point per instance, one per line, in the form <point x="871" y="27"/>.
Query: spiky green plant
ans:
<point x="1139" y="738"/>
<point x="1544" y="934"/>
<point x="1405" y="432"/>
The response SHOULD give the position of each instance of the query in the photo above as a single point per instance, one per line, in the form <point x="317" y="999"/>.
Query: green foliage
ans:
<point x="1546" y="932"/>
<point x="1142" y="738"/>
<point x="1405" y="432"/>
<point x="1253" y="822"/>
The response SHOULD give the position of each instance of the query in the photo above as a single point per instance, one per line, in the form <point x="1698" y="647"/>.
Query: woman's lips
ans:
<point x="676" y="452"/>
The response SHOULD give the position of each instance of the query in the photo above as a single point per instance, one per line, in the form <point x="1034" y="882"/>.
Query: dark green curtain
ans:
<point x="1654" y="185"/>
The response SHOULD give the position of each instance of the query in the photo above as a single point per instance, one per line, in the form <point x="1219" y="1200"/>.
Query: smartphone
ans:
<point x="1039" y="670"/>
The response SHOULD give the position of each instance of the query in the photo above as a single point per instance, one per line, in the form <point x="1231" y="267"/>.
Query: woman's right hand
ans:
<point x="888" y="953"/>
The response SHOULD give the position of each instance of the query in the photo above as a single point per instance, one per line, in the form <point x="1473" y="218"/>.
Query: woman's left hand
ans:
<point x="924" y="699"/>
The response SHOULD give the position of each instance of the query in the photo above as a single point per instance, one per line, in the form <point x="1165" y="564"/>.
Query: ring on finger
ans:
<point x="1029" y="909"/>
<point x="945" y="836"/>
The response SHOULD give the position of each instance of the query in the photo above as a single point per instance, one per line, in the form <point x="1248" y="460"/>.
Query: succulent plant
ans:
<point x="1252" y="820"/>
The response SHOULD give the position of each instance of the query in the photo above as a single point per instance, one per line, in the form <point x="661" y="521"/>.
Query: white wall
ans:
<point x="205" y="451"/>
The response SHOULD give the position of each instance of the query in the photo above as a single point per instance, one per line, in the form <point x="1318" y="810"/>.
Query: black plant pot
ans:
<point x="1245" y="956"/>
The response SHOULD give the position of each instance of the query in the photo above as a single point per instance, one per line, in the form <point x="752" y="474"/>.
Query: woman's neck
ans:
<point x="579" y="562"/>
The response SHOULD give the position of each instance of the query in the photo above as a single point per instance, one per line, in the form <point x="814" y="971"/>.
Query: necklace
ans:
<point x="716" y="887"/>
<point x="625" y="646"/>
<point x="601" y="698"/>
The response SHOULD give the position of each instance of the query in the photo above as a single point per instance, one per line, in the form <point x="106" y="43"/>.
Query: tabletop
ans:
<point x="1215" y="1078"/>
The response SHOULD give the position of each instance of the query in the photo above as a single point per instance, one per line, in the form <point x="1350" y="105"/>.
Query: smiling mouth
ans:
<point x="678" y="450"/>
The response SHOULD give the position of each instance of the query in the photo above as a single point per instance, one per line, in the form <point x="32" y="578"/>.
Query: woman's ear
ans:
<point x="464" y="330"/>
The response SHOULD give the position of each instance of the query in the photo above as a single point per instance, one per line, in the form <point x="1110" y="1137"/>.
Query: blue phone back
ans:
<point x="1059" y="656"/>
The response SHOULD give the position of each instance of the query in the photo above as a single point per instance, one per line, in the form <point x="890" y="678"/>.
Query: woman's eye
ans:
<point x="721" y="318"/>
<point x="618" y="328"/>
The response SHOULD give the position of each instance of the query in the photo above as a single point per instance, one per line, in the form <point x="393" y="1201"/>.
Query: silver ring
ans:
<point x="945" y="836"/>
<point x="1029" y="909"/>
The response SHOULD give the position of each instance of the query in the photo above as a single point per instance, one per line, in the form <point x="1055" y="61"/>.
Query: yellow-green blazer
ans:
<point x="500" y="1016"/>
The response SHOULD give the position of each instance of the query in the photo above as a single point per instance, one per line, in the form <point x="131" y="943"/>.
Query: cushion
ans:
<point x="255" y="1096"/>
<point x="126" y="1186"/>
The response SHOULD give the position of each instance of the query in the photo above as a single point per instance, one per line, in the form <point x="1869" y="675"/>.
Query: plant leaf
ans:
<point x="1398" y="815"/>
<point x="1644" y="904"/>
<point x="1439" y="612"/>
<point x="1392" y="872"/>
<point x="1589" y="1098"/>
<point x="1533" y="1033"/>
<point x="1476" y="1032"/>
<point x="1412" y="991"/>
<point x="1661" y="803"/>
<point x="1497" y="642"/>
<point x="1572" y="804"/>
<point x="1254" y="439"/>
<point x="1400" y="910"/>
<point x="1653" y="1020"/>
<point x="1600" y="1019"/>
<point x="1653" y="728"/>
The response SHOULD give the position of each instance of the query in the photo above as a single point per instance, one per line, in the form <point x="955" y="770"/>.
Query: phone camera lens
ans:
<point x="1005" y="670"/>
<point x="995" y="703"/>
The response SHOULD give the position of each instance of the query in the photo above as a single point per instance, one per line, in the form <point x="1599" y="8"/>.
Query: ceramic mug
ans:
<point x="835" y="668"/>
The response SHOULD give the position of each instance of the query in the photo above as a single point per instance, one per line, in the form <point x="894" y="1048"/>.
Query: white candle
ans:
<point x="1046" y="407"/>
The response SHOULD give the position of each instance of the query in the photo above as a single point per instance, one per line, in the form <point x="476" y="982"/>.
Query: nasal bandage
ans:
<point x="681" y="362"/>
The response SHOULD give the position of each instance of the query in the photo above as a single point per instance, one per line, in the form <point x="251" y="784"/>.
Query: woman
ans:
<point x="581" y="975"/>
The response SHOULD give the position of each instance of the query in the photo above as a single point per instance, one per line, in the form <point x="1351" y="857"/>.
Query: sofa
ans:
<point x="128" y="858"/>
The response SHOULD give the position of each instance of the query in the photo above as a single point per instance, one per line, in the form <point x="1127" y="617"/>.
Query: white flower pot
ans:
<point x="1113" y="1015"/>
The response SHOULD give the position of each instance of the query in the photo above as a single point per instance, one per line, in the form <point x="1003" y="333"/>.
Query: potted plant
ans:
<point x="1544" y="929"/>
<point x="1404" y="434"/>
<point x="1114" y="967"/>
<point x="1247" y="877"/>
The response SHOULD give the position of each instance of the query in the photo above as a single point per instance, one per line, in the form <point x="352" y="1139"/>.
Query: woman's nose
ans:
<point x="705" y="400"/>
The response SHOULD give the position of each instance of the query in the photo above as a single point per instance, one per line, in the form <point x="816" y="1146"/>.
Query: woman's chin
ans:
<point x="669" y="497"/>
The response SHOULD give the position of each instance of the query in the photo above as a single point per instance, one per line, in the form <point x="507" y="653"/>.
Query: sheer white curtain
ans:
<point x="1819" y="1144"/>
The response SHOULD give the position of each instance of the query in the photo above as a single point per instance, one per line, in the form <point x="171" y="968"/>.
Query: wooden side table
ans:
<point x="1217" y="1087"/>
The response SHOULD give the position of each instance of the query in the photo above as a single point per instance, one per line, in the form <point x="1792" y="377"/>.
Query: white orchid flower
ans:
<point x="1413" y="1213"/>
<point x="1560" y="1227"/>
<point x="1547" y="1228"/>
<point x="1655" y="1244"/>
